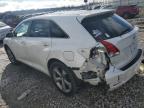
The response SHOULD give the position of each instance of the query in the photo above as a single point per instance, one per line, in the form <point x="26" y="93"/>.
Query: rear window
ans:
<point x="106" y="26"/>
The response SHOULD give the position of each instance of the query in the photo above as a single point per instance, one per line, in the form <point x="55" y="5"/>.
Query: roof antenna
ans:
<point x="86" y="5"/>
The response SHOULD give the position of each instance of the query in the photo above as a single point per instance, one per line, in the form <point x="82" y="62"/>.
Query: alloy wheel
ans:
<point x="62" y="80"/>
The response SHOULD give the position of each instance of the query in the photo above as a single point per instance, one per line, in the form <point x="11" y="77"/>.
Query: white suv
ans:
<point x="90" y="46"/>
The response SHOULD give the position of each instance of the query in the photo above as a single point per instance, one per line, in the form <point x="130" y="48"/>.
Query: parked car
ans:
<point x="90" y="46"/>
<point x="128" y="11"/>
<point x="4" y="30"/>
<point x="10" y="19"/>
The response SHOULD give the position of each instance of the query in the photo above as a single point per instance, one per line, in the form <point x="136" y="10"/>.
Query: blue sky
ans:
<point x="10" y="5"/>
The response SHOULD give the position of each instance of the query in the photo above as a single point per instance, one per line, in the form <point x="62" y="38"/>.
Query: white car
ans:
<point x="4" y="30"/>
<point x="90" y="46"/>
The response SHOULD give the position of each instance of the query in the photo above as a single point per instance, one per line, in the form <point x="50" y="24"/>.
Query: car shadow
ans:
<point x="24" y="87"/>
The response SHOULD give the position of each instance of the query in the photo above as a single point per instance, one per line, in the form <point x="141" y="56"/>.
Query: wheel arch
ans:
<point x="6" y="46"/>
<point x="52" y="60"/>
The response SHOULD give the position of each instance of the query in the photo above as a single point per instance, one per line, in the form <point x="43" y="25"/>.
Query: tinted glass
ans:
<point x="57" y="32"/>
<point x="22" y="29"/>
<point x="106" y="26"/>
<point x="39" y="28"/>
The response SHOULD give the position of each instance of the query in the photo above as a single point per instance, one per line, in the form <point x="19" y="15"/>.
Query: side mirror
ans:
<point x="9" y="35"/>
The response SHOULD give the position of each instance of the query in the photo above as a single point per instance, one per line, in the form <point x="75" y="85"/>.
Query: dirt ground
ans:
<point x="24" y="87"/>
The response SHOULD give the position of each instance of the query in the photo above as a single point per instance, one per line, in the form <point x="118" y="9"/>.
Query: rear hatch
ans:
<point x="127" y="45"/>
<point x="116" y="34"/>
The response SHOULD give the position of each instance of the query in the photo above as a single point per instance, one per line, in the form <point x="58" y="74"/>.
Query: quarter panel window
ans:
<point x="56" y="31"/>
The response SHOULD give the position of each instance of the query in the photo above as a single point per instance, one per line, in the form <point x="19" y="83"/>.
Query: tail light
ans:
<point x="111" y="49"/>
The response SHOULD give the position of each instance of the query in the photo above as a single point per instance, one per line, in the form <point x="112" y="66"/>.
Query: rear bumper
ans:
<point x="116" y="77"/>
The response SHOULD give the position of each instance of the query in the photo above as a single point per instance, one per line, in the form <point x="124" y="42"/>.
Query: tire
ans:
<point x="132" y="16"/>
<point x="63" y="78"/>
<point x="11" y="56"/>
<point x="1" y="41"/>
<point x="126" y="15"/>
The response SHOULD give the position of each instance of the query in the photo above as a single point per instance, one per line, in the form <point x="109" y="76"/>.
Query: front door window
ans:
<point x="22" y="29"/>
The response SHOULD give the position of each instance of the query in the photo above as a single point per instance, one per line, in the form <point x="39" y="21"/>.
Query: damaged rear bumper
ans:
<point x="113" y="77"/>
<point x="117" y="77"/>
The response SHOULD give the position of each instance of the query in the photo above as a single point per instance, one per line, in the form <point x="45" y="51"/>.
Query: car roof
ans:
<point x="80" y="14"/>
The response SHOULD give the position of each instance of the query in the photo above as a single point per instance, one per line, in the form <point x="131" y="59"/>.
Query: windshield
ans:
<point x="106" y="26"/>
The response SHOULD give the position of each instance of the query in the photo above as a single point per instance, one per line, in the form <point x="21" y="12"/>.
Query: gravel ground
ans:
<point x="24" y="87"/>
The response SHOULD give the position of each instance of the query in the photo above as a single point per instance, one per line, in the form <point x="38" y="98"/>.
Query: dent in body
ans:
<point x="97" y="64"/>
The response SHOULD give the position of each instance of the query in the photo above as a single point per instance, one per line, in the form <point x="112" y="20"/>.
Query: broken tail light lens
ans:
<point x="111" y="49"/>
